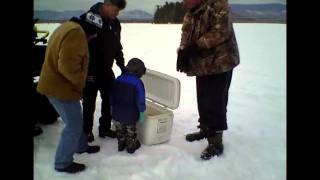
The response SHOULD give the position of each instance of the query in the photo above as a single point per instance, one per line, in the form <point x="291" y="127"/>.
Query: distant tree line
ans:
<point x="172" y="12"/>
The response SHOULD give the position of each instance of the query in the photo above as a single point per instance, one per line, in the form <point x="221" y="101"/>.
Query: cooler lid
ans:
<point x="162" y="88"/>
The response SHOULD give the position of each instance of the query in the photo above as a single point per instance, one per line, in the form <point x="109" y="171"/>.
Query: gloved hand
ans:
<point x="184" y="55"/>
<point x="182" y="61"/>
<point x="141" y="117"/>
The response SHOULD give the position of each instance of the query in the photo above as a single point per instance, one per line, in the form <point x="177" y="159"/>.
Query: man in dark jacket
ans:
<point x="104" y="49"/>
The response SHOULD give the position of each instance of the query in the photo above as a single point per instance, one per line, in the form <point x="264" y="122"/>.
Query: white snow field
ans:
<point x="255" y="143"/>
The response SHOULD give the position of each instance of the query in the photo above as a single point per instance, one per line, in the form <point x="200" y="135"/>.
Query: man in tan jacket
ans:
<point x="209" y="51"/>
<point x="62" y="79"/>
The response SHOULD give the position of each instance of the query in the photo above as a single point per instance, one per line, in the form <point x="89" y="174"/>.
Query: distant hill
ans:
<point x="240" y="12"/>
<point x="259" y="12"/>
<point x="173" y="12"/>
<point x="134" y="15"/>
<point x="46" y="15"/>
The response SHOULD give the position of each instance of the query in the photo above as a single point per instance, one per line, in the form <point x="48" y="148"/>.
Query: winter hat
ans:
<point x="93" y="19"/>
<point x="91" y="23"/>
<point x="136" y="66"/>
<point x="121" y="4"/>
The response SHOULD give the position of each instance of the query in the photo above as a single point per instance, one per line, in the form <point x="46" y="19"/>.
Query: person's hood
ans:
<point x="96" y="8"/>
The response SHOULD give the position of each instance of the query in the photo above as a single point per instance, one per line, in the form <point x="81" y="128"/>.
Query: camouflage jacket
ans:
<point x="210" y="27"/>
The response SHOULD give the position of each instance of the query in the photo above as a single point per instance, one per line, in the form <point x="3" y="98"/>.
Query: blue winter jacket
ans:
<point x="127" y="98"/>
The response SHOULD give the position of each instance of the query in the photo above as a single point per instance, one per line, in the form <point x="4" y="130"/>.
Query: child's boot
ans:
<point x="121" y="136"/>
<point x="132" y="141"/>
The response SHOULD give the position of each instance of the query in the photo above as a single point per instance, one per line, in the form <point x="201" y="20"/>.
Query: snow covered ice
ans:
<point x="255" y="143"/>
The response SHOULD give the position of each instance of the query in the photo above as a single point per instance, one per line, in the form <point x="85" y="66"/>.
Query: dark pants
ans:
<point x="212" y="97"/>
<point x="89" y="103"/>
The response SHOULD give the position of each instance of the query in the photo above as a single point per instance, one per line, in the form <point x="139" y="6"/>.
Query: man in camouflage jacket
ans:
<point x="209" y="51"/>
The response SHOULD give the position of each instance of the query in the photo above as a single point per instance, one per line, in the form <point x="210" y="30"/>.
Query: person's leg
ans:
<point x="217" y="99"/>
<point x="229" y="78"/>
<point x="89" y="104"/>
<point x="201" y="100"/>
<point x="132" y="141"/>
<point x="70" y="112"/>
<point x="215" y="109"/>
<point x="201" y="84"/>
<point x="121" y="135"/>
<point x="106" y="117"/>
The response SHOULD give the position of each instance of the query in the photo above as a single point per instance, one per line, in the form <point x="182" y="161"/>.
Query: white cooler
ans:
<point x="163" y="96"/>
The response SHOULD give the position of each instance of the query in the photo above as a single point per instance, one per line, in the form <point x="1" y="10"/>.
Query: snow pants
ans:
<point x="212" y="98"/>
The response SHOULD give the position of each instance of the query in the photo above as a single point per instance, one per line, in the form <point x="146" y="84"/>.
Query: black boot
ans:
<point x="132" y="141"/>
<point x="215" y="146"/>
<point x="107" y="132"/>
<point x="196" y="136"/>
<point x="91" y="150"/>
<point x="121" y="136"/>
<point x="73" y="168"/>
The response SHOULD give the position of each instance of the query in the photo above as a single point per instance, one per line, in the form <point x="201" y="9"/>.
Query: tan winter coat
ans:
<point x="65" y="67"/>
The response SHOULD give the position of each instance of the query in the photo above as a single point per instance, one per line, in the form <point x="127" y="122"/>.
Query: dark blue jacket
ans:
<point x="127" y="98"/>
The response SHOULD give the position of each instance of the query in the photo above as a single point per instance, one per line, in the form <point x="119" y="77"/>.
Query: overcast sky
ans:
<point x="146" y="5"/>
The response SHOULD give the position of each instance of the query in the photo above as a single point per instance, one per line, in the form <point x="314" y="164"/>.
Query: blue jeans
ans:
<point x="72" y="139"/>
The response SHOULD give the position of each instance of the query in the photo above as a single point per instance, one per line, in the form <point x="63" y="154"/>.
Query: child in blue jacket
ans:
<point x="128" y="104"/>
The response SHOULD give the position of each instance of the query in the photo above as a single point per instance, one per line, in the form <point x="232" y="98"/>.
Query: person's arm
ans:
<point x="141" y="96"/>
<point x="141" y="101"/>
<point x="184" y="31"/>
<point x="120" y="59"/>
<point x="119" y="54"/>
<point x="183" y="50"/>
<point x="220" y="26"/>
<point x="73" y="58"/>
